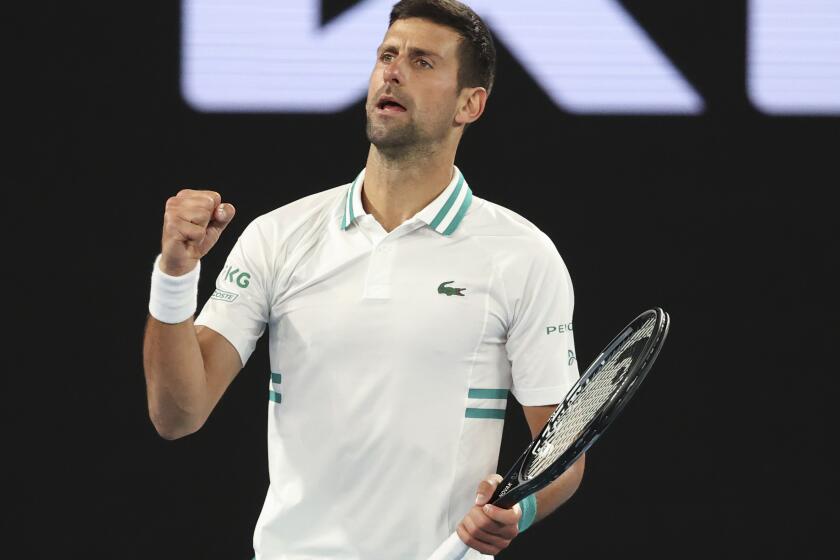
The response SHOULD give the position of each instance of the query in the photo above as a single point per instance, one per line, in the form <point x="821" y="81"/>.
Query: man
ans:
<point x="401" y="311"/>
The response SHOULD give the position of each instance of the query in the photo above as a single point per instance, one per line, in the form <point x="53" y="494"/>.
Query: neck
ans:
<point x="396" y="189"/>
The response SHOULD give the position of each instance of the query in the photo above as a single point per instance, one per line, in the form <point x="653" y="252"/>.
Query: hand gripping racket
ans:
<point x="588" y="409"/>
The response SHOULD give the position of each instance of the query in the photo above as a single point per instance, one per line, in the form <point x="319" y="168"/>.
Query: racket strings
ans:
<point x="567" y="424"/>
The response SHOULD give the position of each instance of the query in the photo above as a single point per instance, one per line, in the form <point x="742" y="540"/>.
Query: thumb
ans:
<point x="486" y="489"/>
<point x="222" y="217"/>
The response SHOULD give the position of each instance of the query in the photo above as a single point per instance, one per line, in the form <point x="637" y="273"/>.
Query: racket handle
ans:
<point x="452" y="548"/>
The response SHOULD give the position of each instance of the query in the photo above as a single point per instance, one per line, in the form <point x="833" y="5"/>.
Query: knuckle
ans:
<point x="187" y="198"/>
<point x="205" y="203"/>
<point x="171" y="230"/>
<point x="490" y="515"/>
<point x="208" y="198"/>
<point x="468" y="536"/>
<point x="196" y="216"/>
<point x="477" y="515"/>
<point x="482" y="522"/>
<point x="192" y="202"/>
<point x="189" y="231"/>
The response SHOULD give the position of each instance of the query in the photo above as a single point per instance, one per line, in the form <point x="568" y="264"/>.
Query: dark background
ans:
<point x="723" y="219"/>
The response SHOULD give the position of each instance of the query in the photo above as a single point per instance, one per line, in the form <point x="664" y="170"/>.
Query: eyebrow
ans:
<point x="413" y="51"/>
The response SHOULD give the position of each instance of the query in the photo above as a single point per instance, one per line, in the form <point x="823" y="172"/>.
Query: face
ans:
<point x="413" y="92"/>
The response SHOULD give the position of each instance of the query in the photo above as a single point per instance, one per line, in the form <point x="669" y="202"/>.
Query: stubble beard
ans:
<point x="396" y="142"/>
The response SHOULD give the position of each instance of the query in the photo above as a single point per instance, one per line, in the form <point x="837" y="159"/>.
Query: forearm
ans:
<point x="558" y="492"/>
<point x="176" y="382"/>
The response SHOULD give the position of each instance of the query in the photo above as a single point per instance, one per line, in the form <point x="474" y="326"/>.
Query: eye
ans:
<point x="386" y="57"/>
<point x="424" y="63"/>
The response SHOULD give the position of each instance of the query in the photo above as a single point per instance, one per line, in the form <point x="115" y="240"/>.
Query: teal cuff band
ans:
<point x="529" y="512"/>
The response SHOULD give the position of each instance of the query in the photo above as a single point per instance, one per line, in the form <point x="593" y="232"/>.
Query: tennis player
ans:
<point x="402" y="311"/>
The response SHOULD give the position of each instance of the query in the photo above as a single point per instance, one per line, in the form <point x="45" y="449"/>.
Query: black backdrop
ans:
<point x="724" y="217"/>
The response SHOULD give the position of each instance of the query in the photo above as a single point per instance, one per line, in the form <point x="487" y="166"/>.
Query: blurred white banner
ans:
<point x="794" y="56"/>
<point x="589" y="56"/>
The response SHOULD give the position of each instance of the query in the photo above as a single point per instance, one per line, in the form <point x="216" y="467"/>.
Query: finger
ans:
<point x="215" y="197"/>
<point x="212" y="197"/>
<point x="197" y="215"/>
<point x="507" y="520"/>
<point x="188" y="231"/>
<point x="224" y="214"/>
<point x="507" y="528"/>
<point x="222" y="217"/>
<point x="486" y="488"/>
<point x="197" y="209"/>
<point x="474" y="543"/>
<point x="482" y="540"/>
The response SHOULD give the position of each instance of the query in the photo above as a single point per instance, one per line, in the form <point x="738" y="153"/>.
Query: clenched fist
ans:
<point x="192" y="224"/>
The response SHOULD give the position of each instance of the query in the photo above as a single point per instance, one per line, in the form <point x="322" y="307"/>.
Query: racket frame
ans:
<point x="514" y="487"/>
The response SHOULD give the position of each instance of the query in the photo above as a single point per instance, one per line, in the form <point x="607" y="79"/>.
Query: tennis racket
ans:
<point x="588" y="409"/>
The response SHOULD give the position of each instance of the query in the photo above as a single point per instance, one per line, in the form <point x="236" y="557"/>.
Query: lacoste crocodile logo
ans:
<point x="444" y="289"/>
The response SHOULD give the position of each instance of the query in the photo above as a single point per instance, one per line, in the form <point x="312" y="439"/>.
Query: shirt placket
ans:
<point x="378" y="277"/>
<point x="378" y="281"/>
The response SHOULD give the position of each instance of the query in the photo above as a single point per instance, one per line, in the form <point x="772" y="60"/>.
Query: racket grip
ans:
<point x="453" y="548"/>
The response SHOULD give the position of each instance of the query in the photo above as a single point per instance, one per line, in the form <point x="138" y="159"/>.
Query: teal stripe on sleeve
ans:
<point x="276" y="377"/>
<point x="491" y="413"/>
<point x="274" y="396"/>
<point x="488" y="394"/>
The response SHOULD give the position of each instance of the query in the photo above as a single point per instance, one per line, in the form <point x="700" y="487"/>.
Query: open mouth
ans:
<point x="390" y="105"/>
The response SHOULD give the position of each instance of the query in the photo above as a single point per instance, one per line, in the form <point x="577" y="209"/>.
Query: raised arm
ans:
<point x="187" y="368"/>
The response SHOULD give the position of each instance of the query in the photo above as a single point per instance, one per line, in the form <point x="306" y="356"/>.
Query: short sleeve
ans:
<point x="540" y="343"/>
<point x="238" y="309"/>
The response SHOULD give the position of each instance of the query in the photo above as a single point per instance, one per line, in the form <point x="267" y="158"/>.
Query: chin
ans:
<point x="383" y="136"/>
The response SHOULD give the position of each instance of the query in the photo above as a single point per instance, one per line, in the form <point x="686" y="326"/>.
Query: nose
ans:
<point x="392" y="73"/>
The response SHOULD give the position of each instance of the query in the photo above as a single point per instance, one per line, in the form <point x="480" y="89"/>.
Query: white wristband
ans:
<point x="173" y="299"/>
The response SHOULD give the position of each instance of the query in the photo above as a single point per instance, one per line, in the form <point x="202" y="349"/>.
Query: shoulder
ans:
<point x="303" y="209"/>
<point x="306" y="214"/>
<point x="522" y="254"/>
<point x="501" y="230"/>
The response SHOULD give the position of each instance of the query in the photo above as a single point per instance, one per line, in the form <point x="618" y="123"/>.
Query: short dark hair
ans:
<point x="476" y="53"/>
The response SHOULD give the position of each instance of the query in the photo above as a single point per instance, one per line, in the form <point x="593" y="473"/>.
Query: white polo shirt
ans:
<point x="392" y="356"/>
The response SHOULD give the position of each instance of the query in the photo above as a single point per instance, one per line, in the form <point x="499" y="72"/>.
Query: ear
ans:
<point x="471" y="103"/>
